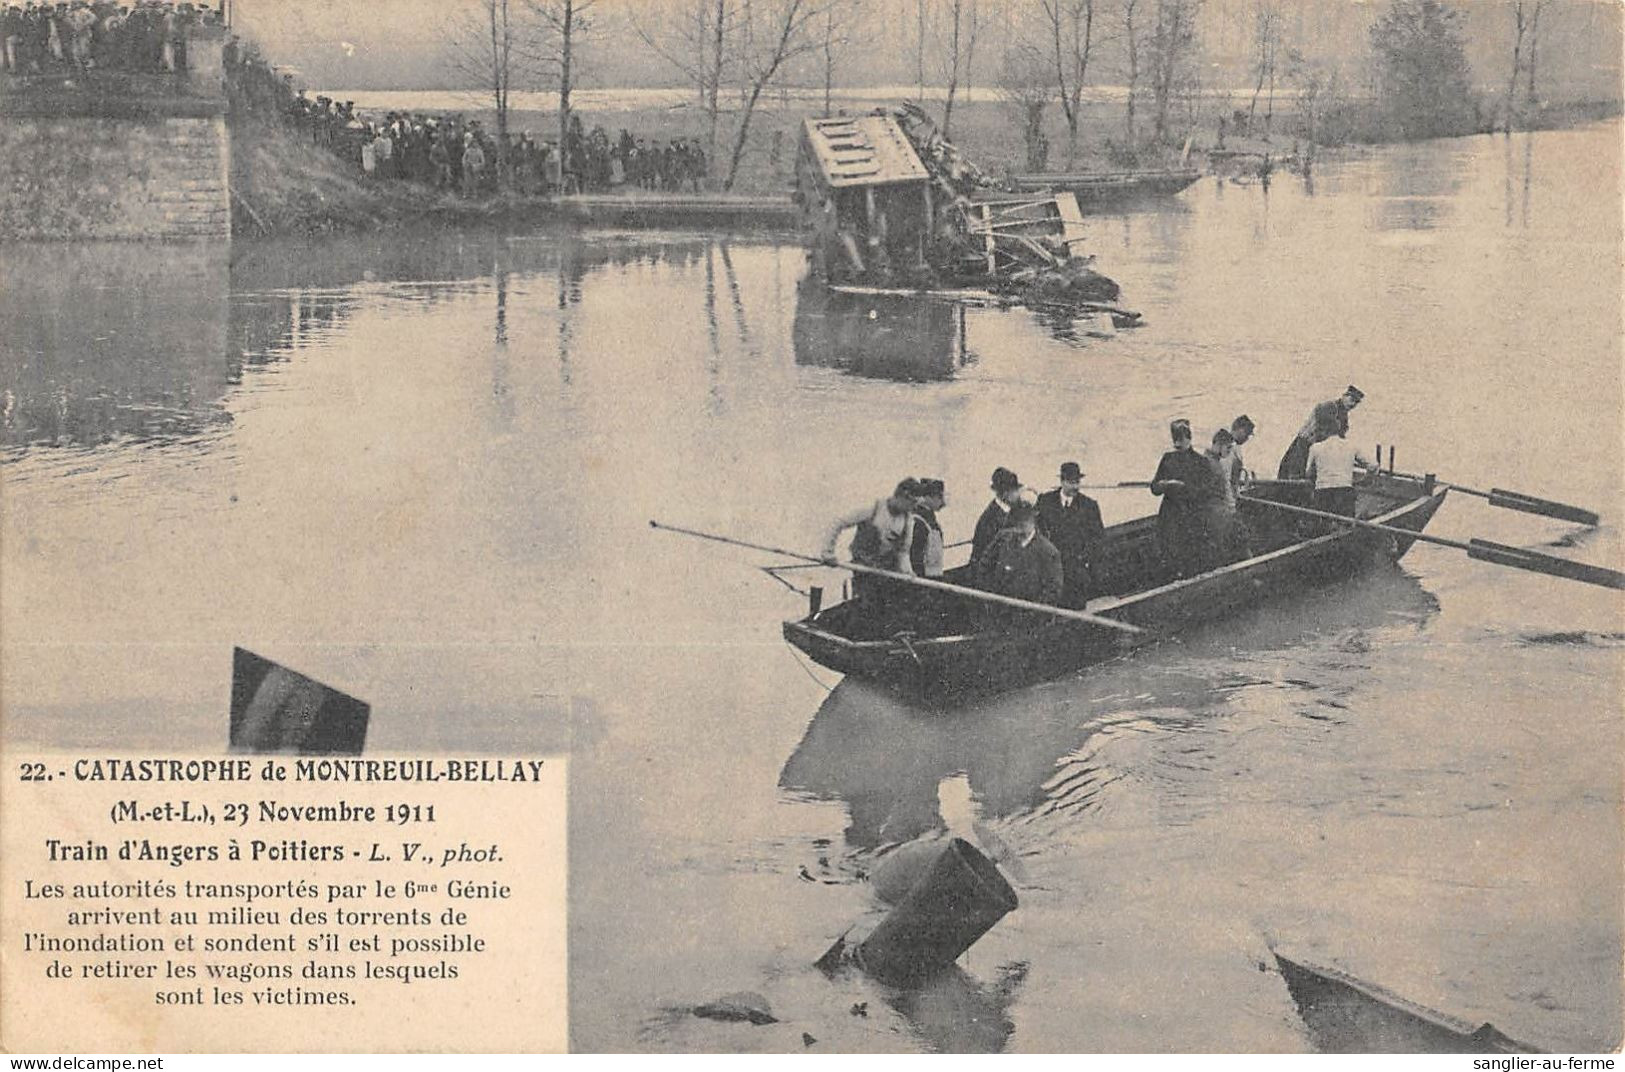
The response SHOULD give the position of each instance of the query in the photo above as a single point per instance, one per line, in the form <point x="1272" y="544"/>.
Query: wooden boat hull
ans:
<point x="1091" y="189"/>
<point x="1035" y="648"/>
<point x="1348" y="1015"/>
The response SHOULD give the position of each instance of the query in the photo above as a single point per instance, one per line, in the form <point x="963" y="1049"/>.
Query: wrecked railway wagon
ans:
<point x="886" y="201"/>
<point x="865" y="199"/>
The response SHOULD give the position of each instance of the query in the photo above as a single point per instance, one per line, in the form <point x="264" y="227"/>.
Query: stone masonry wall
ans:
<point x="114" y="177"/>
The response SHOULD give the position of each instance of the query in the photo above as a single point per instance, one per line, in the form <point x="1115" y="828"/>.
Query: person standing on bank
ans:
<point x="1186" y="481"/>
<point x="1331" y="470"/>
<point x="1325" y="420"/>
<point x="1070" y="520"/>
<point x="1006" y="488"/>
<point x="1021" y="563"/>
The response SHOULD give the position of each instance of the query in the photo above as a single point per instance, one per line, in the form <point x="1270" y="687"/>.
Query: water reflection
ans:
<point x="887" y="337"/>
<point x="1042" y="755"/>
<point x="107" y="342"/>
<point x="953" y="1012"/>
<point x="1413" y="193"/>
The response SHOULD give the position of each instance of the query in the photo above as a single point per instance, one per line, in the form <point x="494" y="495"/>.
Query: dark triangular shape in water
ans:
<point x="274" y="709"/>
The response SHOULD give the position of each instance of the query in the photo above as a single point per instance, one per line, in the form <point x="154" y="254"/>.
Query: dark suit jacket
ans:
<point x="1032" y="572"/>
<point x="989" y="525"/>
<point x="1075" y="530"/>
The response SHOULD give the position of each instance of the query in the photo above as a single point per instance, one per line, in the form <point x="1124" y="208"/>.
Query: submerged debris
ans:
<point x="887" y="201"/>
<point x="740" y="1006"/>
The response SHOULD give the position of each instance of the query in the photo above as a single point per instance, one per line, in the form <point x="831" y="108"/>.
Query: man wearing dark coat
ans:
<point x="1327" y="419"/>
<point x="1187" y="482"/>
<point x="1006" y="486"/>
<point x="1070" y="520"/>
<point x="1020" y="563"/>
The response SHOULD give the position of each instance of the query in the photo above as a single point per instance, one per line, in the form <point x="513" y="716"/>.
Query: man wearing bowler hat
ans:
<point x="1006" y="489"/>
<point x="1070" y="520"/>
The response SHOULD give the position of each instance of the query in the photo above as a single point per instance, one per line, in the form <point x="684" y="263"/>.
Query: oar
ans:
<point x="1485" y="551"/>
<point x="1529" y="504"/>
<point x="1147" y="484"/>
<point x="917" y="582"/>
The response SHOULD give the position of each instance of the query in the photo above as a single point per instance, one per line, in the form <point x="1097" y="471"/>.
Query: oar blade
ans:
<point x="1514" y="500"/>
<point x="1520" y="558"/>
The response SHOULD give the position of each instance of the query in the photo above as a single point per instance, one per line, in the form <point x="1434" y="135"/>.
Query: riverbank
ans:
<point x="284" y="185"/>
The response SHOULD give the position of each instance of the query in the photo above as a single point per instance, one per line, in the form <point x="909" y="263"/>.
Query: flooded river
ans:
<point x="421" y="469"/>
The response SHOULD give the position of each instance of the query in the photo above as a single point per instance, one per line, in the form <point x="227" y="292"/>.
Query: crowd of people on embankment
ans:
<point x="63" y="38"/>
<point x="448" y="151"/>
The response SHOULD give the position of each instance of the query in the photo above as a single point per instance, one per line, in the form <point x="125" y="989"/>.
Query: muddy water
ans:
<point x="420" y="468"/>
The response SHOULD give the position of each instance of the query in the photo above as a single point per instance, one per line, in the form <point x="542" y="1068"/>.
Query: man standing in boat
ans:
<point x="884" y="529"/>
<point x="1021" y="563"/>
<point x="1070" y="520"/>
<point x="1331" y="470"/>
<point x="1187" y="482"/>
<point x="1241" y="430"/>
<point x="1325" y="420"/>
<point x="925" y="547"/>
<point x="1006" y="489"/>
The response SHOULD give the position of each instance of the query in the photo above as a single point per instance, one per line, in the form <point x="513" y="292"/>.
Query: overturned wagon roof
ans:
<point x="865" y="150"/>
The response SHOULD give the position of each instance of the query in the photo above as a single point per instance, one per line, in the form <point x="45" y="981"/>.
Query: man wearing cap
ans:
<point x="1325" y="420"/>
<point x="1006" y="489"/>
<point x="1021" y="562"/>
<point x="1070" y="520"/>
<point x="1187" y="483"/>
<point x="925" y="546"/>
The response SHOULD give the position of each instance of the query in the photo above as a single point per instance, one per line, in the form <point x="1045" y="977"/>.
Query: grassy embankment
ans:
<point x="290" y="186"/>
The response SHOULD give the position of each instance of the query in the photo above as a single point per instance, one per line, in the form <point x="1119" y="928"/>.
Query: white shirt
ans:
<point x="1332" y="462"/>
<point x="895" y="532"/>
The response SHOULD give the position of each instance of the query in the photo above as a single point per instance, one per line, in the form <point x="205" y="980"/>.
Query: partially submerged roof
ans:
<point x="863" y="150"/>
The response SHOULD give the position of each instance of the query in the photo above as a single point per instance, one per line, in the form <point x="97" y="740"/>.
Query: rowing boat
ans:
<point x="937" y="646"/>
<point x="1100" y="187"/>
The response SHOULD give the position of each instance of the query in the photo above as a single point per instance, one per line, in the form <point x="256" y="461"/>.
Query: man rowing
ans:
<point x="1331" y="470"/>
<point x="1325" y="420"/>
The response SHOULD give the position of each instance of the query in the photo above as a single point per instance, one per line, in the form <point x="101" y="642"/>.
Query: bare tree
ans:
<point x="773" y="33"/>
<point x="1534" y="45"/>
<point x="489" y="48"/>
<point x="1070" y="27"/>
<point x="837" y="35"/>
<point x="1320" y="92"/>
<point x="963" y="24"/>
<point x="1131" y="14"/>
<point x="563" y="22"/>
<point x="696" y="40"/>
<point x="1266" y="48"/>
<point x="1024" y="82"/>
<point x="1172" y="48"/>
<point x="919" y="44"/>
